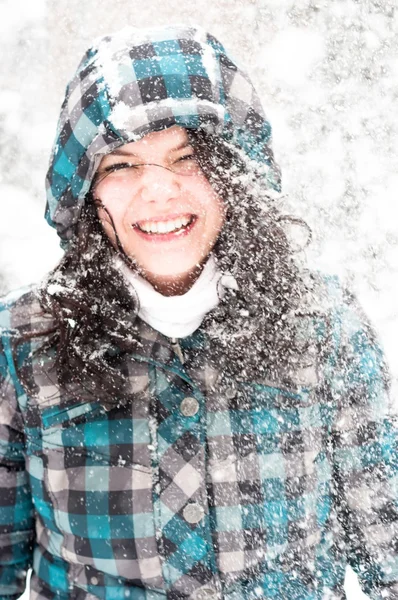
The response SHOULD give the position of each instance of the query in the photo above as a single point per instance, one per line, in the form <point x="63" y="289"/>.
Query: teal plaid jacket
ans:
<point x="200" y="488"/>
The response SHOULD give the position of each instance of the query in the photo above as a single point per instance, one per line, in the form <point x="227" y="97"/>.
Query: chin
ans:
<point x="168" y="273"/>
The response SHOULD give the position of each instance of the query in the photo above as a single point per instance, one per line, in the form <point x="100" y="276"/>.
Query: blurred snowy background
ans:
<point x="327" y="71"/>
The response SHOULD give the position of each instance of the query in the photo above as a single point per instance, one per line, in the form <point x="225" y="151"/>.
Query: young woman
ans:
<point x="186" y="412"/>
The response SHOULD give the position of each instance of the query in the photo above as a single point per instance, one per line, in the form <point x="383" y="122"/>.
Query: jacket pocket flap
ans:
<point x="74" y="413"/>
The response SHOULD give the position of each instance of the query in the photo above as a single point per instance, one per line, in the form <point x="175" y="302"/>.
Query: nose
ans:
<point x="158" y="184"/>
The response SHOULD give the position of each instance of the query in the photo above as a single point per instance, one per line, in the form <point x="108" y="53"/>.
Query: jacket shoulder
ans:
<point x="330" y="297"/>
<point x="21" y="312"/>
<point x="337" y="314"/>
<point x="325" y="292"/>
<point x="23" y="326"/>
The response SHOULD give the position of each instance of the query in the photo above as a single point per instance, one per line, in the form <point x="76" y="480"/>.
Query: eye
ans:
<point x="186" y="157"/>
<point x="118" y="167"/>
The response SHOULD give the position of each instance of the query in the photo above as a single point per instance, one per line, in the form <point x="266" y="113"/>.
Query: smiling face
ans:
<point x="167" y="219"/>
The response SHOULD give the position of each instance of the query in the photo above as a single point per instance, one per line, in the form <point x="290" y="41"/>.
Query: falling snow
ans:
<point x="327" y="75"/>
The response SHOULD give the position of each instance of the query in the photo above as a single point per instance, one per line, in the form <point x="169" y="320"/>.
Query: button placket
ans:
<point x="182" y="463"/>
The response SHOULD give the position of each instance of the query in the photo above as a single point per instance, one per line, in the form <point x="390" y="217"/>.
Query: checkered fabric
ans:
<point x="143" y="80"/>
<point x="201" y="488"/>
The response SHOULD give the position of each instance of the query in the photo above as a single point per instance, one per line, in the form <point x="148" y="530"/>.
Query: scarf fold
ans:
<point x="178" y="316"/>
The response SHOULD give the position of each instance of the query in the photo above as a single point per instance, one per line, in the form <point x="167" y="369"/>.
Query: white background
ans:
<point x="327" y="72"/>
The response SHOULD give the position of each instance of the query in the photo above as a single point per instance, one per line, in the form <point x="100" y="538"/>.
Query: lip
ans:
<point x="155" y="238"/>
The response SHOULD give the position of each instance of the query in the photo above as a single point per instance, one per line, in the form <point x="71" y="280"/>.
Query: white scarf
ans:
<point x="179" y="316"/>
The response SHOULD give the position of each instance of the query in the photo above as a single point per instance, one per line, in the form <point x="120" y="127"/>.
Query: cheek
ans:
<point x="216" y="212"/>
<point x="208" y="201"/>
<point x="116" y="201"/>
<point x="112" y="193"/>
<point x="113" y="218"/>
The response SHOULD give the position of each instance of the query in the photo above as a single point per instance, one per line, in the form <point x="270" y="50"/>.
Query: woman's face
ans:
<point x="167" y="219"/>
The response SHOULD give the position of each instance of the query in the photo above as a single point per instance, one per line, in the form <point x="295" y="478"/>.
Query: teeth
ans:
<point x="164" y="226"/>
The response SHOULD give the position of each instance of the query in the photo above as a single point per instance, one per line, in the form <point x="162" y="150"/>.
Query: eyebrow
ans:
<point x="121" y="152"/>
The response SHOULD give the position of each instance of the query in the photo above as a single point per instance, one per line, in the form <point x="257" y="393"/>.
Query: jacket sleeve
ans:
<point x="16" y="511"/>
<point x="365" y="446"/>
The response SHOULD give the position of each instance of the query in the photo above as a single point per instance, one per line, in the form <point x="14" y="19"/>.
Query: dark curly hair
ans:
<point x="252" y="329"/>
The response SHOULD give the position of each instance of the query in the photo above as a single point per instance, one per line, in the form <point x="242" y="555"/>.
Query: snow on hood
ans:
<point x="142" y="80"/>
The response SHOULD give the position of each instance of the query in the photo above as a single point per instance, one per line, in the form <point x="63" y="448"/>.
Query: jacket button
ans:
<point x="193" y="512"/>
<point x="230" y="393"/>
<point x="205" y="593"/>
<point x="189" y="407"/>
<point x="94" y="580"/>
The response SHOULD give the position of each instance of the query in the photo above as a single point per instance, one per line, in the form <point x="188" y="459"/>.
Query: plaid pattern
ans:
<point x="292" y="481"/>
<point x="139" y="81"/>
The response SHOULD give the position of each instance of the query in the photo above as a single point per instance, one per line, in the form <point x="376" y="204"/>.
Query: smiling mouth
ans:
<point x="177" y="225"/>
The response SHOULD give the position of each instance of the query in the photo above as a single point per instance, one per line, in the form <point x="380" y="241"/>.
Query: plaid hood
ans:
<point x="143" y="80"/>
